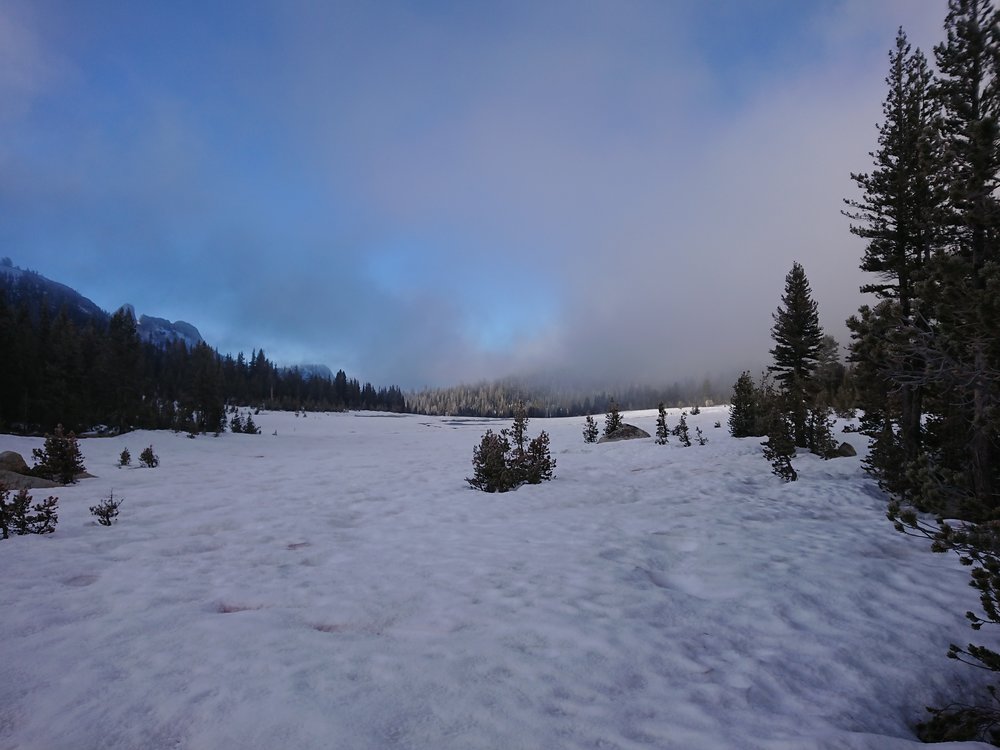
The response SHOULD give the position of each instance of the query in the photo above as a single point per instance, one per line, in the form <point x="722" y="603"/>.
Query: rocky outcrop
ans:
<point x="14" y="481"/>
<point x="845" y="451"/>
<point x="625" y="432"/>
<point x="13" y="461"/>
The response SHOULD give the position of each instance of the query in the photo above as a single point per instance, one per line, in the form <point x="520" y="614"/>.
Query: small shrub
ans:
<point x="106" y="511"/>
<point x="661" y="425"/>
<point x="236" y="424"/>
<point x="251" y="428"/>
<point x="125" y="459"/>
<point x="695" y="410"/>
<point x="60" y="459"/>
<point x="702" y="440"/>
<point x="590" y="430"/>
<point x="717" y="425"/>
<point x="149" y="459"/>
<point x="18" y="516"/>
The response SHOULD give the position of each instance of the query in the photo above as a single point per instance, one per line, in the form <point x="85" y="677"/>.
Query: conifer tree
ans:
<point x="613" y="419"/>
<point x="681" y="431"/>
<point x="744" y="414"/>
<point x="590" y="430"/>
<point x="661" y="425"/>
<point x="797" y="343"/>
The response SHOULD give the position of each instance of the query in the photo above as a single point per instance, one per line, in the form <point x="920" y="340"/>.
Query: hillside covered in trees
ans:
<point x="65" y="364"/>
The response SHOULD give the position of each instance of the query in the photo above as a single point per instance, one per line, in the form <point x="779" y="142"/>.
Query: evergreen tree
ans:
<point x="901" y="215"/>
<point x="681" y="431"/>
<point x="744" y="413"/>
<point x="59" y="459"/>
<point x="779" y="448"/>
<point x="798" y="341"/>
<point x="613" y="419"/>
<point x="661" y="425"/>
<point x="590" y="430"/>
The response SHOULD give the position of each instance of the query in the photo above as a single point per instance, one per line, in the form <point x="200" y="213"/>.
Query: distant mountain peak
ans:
<point x="161" y="331"/>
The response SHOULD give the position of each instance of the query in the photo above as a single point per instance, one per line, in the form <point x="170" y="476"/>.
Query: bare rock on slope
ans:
<point x="14" y="481"/>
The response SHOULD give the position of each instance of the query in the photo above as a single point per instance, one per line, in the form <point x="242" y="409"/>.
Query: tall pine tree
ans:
<point x="798" y="340"/>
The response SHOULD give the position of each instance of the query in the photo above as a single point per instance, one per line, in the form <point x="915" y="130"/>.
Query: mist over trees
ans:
<point x="499" y="398"/>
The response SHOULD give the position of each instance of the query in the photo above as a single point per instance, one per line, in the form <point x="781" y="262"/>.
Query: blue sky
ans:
<point x="427" y="193"/>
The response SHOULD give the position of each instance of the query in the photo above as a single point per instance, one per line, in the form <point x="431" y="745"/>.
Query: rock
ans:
<point x="844" y="451"/>
<point x="13" y="461"/>
<point x="625" y="432"/>
<point x="14" y="481"/>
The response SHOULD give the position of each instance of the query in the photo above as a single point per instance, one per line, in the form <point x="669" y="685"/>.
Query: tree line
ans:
<point x="87" y="372"/>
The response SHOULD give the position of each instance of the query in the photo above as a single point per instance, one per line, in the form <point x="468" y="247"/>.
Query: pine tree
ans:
<point x="901" y="217"/>
<point x="661" y="425"/>
<point x="681" y="431"/>
<point x="60" y="459"/>
<point x="613" y="419"/>
<point x="590" y="430"/>
<point x="744" y="414"/>
<point x="798" y="340"/>
<point x="779" y="448"/>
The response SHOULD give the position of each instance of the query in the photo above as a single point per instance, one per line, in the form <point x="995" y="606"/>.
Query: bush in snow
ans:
<point x="125" y="459"/>
<point x="60" y="459"/>
<point x="504" y="461"/>
<point x="590" y="430"/>
<point x="236" y="424"/>
<point x="702" y="440"/>
<point x="19" y="517"/>
<point x="149" y="459"/>
<point x="106" y="511"/>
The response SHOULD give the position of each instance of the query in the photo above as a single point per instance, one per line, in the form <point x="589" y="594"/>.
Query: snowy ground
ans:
<point x="338" y="585"/>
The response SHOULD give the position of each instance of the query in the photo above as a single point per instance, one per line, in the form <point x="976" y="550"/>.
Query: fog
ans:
<point x="425" y="194"/>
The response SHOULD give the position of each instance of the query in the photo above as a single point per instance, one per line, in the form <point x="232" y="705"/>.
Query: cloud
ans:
<point x="425" y="195"/>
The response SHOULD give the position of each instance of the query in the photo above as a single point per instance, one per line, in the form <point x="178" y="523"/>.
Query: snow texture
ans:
<point x="338" y="585"/>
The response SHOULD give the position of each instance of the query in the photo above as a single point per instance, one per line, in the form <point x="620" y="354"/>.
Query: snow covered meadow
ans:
<point x="338" y="585"/>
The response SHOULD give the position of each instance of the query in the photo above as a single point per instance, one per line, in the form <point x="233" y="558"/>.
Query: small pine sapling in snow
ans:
<point x="19" y="517"/>
<point x="681" y="431"/>
<point x="250" y="427"/>
<point x="779" y="448"/>
<point x="819" y="432"/>
<point x="717" y="424"/>
<point x="613" y="419"/>
<point x="490" y="472"/>
<point x="60" y="459"/>
<point x="540" y="464"/>
<point x="125" y="459"/>
<point x="106" y="511"/>
<point x="236" y="424"/>
<point x="695" y="410"/>
<point x="702" y="440"/>
<point x="149" y="459"/>
<point x="590" y="430"/>
<point x="661" y="425"/>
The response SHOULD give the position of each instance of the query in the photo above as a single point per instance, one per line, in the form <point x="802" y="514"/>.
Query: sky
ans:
<point x="429" y="193"/>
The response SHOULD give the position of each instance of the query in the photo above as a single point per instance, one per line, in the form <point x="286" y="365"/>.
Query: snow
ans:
<point x="338" y="585"/>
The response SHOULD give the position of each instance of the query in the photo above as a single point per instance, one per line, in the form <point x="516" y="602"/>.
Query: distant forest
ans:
<point x="499" y="398"/>
<point x="67" y="366"/>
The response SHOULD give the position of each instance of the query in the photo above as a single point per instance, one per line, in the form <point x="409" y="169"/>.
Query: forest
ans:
<point x="85" y="371"/>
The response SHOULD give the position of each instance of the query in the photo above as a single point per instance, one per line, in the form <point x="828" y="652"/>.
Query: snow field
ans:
<point x="338" y="585"/>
